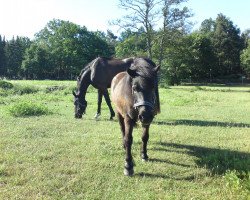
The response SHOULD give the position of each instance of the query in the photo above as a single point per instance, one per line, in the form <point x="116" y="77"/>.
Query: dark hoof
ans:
<point x="112" y="115"/>
<point x="128" y="172"/>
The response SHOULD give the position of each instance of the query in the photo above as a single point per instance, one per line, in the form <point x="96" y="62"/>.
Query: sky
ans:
<point x="27" y="17"/>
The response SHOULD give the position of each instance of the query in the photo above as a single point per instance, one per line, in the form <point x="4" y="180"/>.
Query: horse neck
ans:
<point x="84" y="83"/>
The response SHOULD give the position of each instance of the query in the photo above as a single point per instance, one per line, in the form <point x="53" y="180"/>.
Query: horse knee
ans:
<point x="127" y="141"/>
<point x="145" y="137"/>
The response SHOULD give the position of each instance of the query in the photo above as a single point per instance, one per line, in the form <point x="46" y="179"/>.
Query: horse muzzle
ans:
<point x="145" y="118"/>
<point x="145" y="109"/>
<point x="78" y="116"/>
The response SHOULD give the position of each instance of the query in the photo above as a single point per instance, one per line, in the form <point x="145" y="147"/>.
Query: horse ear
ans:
<point x="156" y="69"/>
<point x="132" y="72"/>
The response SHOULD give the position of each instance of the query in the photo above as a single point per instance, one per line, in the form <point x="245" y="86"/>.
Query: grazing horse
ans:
<point x="135" y="95"/>
<point x="99" y="73"/>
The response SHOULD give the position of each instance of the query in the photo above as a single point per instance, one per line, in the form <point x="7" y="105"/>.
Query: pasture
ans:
<point x="198" y="146"/>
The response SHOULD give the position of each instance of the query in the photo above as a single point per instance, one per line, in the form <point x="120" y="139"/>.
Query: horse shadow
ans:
<point x="202" y="123"/>
<point x="216" y="161"/>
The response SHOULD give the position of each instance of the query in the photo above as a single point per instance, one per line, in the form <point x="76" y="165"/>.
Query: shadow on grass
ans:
<point x="202" y="123"/>
<point x="148" y="175"/>
<point x="217" y="161"/>
<point x="214" y="88"/>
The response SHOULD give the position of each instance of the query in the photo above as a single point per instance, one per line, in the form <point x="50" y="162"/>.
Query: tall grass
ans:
<point x="27" y="108"/>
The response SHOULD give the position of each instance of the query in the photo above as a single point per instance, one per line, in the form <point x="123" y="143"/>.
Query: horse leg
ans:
<point x="107" y="99"/>
<point x="99" y="103"/>
<point x="122" y="126"/>
<point x="145" y="136"/>
<point x="128" y="140"/>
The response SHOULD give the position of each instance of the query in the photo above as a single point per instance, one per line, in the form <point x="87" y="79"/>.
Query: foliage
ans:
<point x="2" y="56"/>
<point x="236" y="183"/>
<point x="245" y="59"/>
<point x="132" y="44"/>
<point x="14" y="51"/>
<point x="228" y="45"/>
<point x="27" y="108"/>
<point x="139" y="14"/>
<point x="62" y="49"/>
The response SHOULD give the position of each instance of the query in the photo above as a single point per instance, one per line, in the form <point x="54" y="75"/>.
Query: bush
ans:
<point x="5" y="85"/>
<point x="23" y="109"/>
<point x="18" y="89"/>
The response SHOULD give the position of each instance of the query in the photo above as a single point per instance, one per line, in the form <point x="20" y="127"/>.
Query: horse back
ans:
<point x="103" y="70"/>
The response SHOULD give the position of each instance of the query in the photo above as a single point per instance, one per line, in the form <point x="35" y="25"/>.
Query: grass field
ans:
<point x="199" y="146"/>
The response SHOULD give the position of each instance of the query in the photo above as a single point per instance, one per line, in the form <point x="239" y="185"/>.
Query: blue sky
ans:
<point x="27" y="17"/>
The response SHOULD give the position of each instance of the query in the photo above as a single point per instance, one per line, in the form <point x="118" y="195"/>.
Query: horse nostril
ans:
<point x="140" y="117"/>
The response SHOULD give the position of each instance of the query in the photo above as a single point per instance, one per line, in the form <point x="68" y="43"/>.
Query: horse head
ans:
<point x="144" y="76"/>
<point x="80" y="105"/>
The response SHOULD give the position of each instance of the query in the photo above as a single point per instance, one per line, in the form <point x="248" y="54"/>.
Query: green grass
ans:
<point x="198" y="147"/>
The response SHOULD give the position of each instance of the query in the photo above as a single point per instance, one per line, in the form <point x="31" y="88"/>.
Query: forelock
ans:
<point x="144" y="67"/>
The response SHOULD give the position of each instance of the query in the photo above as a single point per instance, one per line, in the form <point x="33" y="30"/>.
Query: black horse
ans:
<point x="98" y="73"/>
<point x="135" y="95"/>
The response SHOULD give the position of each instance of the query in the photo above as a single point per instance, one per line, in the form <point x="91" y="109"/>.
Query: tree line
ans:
<point x="59" y="51"/>
<point x="215" y="51"/>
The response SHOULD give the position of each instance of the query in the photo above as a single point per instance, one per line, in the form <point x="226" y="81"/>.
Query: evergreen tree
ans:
<point x="228" y="45"/>
<point x="2" y="56"/>
<point x="14" y="51"/>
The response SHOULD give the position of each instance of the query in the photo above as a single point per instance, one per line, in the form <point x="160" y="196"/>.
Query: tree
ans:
<point x="63" y="48"/>
<point x="141" y="13"/>
<point x="174" y="23"/>
<point x="207" y="26"/>
<point x="201" y="59"/>
<point x="2" y="56"/>
<point x="245" y="37"/>
<point x="228" y="45"/>
<point x="14" y="51"/>
<point x="245" y="59"/>
<point x="131" y="44"/>
<point x="37" y="62"/>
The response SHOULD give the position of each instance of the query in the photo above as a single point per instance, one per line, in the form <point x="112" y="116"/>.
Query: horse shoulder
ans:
<point x="95" y="69"/>
<point x="118" y="95"/>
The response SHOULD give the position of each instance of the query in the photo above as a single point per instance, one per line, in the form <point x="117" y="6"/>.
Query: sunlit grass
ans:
<point x="198" y="147"/>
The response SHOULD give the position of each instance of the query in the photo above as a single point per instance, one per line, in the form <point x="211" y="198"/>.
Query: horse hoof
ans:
<point x="97" y="115"/>
<point x="144" y="158"/>
<point x="128" y="172"/>
<point x="112" y="115"/>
